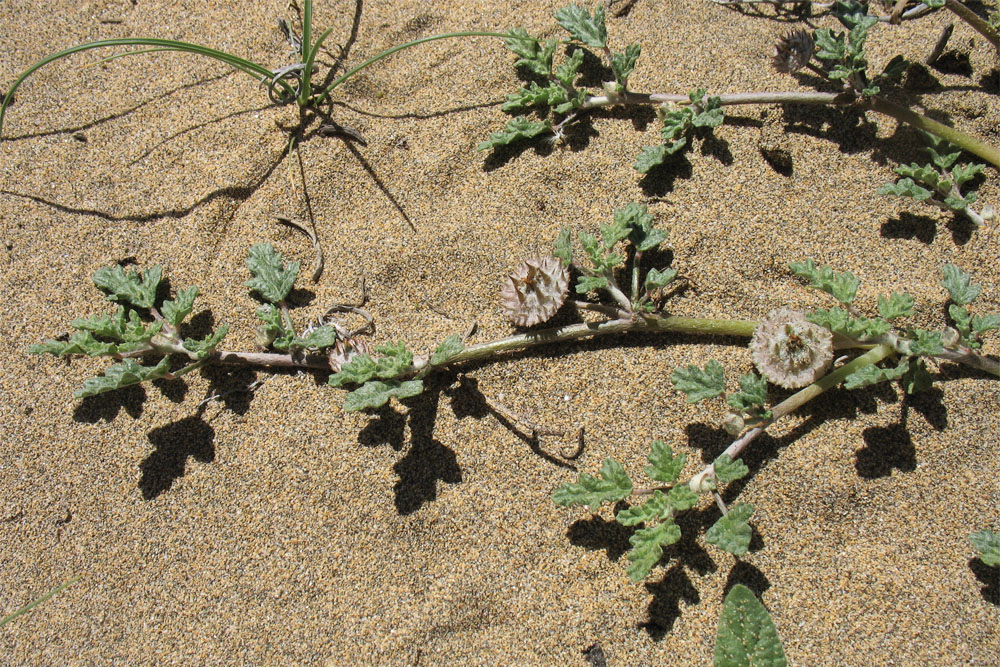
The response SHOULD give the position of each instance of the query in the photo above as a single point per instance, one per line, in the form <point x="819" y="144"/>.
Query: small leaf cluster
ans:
<point x="844" y="53"/>
<point x="378" y="377"/>
<point x="962" y="292"/>
<point x="678" y="125"/>
<point x="939" y="182"/>
<point x="137" y="328"/>
<point x="272" y="279"/>
<point x="633" y="226"/>
<point x="656" y="515"/>
<point x="745" y="406"/>
<point x="558" y="89"/>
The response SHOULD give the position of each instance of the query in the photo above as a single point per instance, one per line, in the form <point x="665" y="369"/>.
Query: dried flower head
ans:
<point x="346" y="349"/>
<point x="789" y="350"/>
<point x="793" y="51"/>
<point x="535" y="291"/>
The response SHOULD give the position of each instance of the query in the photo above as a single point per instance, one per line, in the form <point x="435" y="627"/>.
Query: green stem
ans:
<point x="399" y="47"/>
<point x="31" y="605"/>
<point x="793" y="403"/>
<point x="977" y="23"/>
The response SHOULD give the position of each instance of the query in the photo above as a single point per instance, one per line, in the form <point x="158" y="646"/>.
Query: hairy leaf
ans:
<point x="731" y="532"/>
<point x="174" y="311"/>
<point x="131" y="287"/>
<point x="376" y="393"/>
<point x="752" y="394"/>
<point x="360" y="369"/>
<point x="535" y="95"/>
<point x="917" y="379"/>
<point x="658" y="279"/>
<point x="840" y="321"/>
<point x="395" y="360"/>
<point x="869" y="375"/>
<point x="272" y="278"/>
<point x="983" y="323"/>
<point x="652" y="156"/>
<point x="987" y="543"/>
<point x="517" y="129"/>
<point x="961" y="174"/>
<point x="584" y="27"/>
<point x="563" y="247"/>
<point x="682" y="498"/>
<point x="566" y="72"/>
<point x="728" y="470"/>
<point x="204" y="347"/>
<point x="926" y="343"/>
<point x="317" y="339"/>
<point x="664" y="466"/>
<point x="656" y="508"/>
<point x="123" y="374"/>
<point x="699" y="384"/>
<point x="747" y="635"/>
<point x="905" y="187"/>
<point x="611" y="485"/>
<point x="895" y="305"/>
<point x="647" y="547"/>
<point x="448" y="348"/>
<point x="842" y="286"/>
<point x="80" y="342"/>
<point x="275" y="331"/>
<point x="586" y="284"/>
<point x="622" y="64"/>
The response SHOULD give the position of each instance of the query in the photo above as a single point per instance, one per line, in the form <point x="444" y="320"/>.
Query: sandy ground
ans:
<point x="273" y="528"/>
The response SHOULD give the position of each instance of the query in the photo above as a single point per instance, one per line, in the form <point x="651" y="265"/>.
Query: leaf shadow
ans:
<point x="105" y="407"/>
<point x="989" y="577"/>
<point x="190" y="437"/>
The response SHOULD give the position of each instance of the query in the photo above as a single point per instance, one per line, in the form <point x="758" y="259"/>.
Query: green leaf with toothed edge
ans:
<point x="895" y="305"/>
<point x="747" y="636"/>
<point x="566" y="72"/>
<point x="563" y="247"/>
<point x="987" y="543"/>
<point x="586" y="284"/>
<point x="622" y="64"/>
<point x="917" y="379"/>
<point x="752" y="394"/>
<point x="925" y="343"/>
<point x="584" y="26"/>
<point x="611" y="485"/>
<point x="869" y="375"/>
<point x="663" y="465"/>
<point x="658" y="279"/>
<point x="123" y="374"/>
<point x="656" y="508"/>
<point x="983" y="323"/>
<point x="376" y="393"/>
<point x="841" y="286"/>
<point x="959" y="284"/>
<point x="647" y="547"/>
<point x="534" y="55"/>
<point x="131" y="287"/>
<point x="394" y="360"/>
<point x="682" y="498"/>
<point x="840" y="321"/>
<point x="448" y="348"/>
<point x="272" y="277"/>
<point x="517" y="129"/>
<point x="905" y="187"/>
<point x="358" y="370"/>
<point x="204" y="347"/>
<point x="699" y="384"/>
<point x="80" y="342"/>
<point x="174" y="311"/>
<point x="637" y="219"/>
<point x="534" y="95"/>
<point x="318" y="339"/>
<point x="961" y="174"/>
<point x="732" y="531"/>
<point x="728" y="470"/>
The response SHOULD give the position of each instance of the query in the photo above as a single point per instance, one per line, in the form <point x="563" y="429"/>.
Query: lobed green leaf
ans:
<point x="869" y="375"/>
<point x="699" y="384"/>
<point x="317" y="339"/>
<point x="448" y="348"/>
<point x="647" y="547"/>
<point x="663" y="465"/>
<point x="272" y="277"/>
<point x="360" y="369"/>
<point x="376" y="393"/>
<point x="174" y="311"/>
<point x="917" y="379"/>
<point x="563" y="247"/>
<point x="752" y="394"/>
<point x="131" y="287"/>
<point x="840" y="321"/>
<point x="895" y="305"/>
<point x="584" y="27"/>
<point x="987" y="543"/>
<point x="658" y="279"/>
<point x="123" y="374"/>
<point x="732" y="531"/>
<point x="204" y="347"/>
<point x="682" y="498"/>
<point x="842" y="286"/>
<point x="657" y="508"/>
<point x="727" y="470"/>
<point x="622" y="64"/>
<point x="611" y="485"/>
<point x="905" y="187"/>
<point x="517" y="129"/>
<point x="395" y="360"/>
